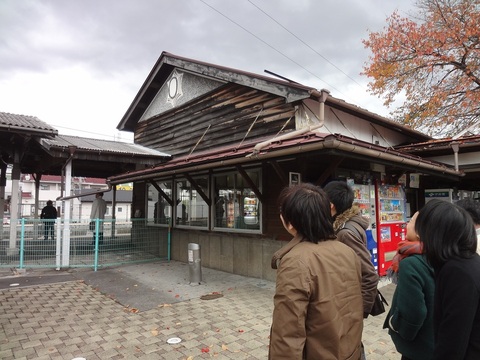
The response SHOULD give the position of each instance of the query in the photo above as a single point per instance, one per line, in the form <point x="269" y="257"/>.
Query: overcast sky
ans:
<point x="78" y="64"/>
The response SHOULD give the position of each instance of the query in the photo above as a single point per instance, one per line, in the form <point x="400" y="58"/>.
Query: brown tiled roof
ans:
<point x="311" y="141"/>
<point x="440" y="144"/>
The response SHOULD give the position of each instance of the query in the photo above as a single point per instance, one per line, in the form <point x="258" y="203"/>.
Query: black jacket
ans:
<point x="48" y="212"/>
<point x="456" y="316"/>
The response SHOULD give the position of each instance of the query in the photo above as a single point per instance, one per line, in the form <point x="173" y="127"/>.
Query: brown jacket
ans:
<point x="318" y="311"/>
<point x="358" y="242"/>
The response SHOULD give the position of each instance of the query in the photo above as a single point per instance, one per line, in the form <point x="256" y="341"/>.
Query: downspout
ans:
<point x="455" y="147"/>
<point x="322" y="95"/>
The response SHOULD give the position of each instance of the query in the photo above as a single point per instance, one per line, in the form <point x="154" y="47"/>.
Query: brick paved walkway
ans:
<point x="72" y="319"/>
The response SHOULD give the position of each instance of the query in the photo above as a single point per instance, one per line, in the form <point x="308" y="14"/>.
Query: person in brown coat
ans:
<point x="318" y="310"/>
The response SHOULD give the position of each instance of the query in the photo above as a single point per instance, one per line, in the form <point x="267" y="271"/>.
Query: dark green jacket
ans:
<point x="410" y="319"/>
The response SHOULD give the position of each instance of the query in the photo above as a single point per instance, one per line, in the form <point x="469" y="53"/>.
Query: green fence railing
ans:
<point x="73" y="243"/>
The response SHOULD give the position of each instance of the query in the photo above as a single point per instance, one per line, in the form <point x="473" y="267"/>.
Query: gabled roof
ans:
<point x="91" y="157"/>
<point x="291" y="91"/>
<point x="24" y="124"/>
<point x="63" y="142"/>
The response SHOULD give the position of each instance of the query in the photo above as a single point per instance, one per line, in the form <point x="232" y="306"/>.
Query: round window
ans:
<point x="173" y="87"/>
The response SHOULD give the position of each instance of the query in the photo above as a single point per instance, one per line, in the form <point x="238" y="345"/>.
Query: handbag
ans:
<point x="379" y="304"/>
<point x="91" y="226"/>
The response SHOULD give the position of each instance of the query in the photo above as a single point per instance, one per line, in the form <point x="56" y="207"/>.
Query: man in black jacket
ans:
<point x="49" y="214"/>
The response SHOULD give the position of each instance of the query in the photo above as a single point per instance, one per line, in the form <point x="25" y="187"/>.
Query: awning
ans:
<point x="312" y="141"/>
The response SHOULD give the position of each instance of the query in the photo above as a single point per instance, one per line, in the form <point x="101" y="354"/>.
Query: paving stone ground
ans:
<point x="73" y="319"/>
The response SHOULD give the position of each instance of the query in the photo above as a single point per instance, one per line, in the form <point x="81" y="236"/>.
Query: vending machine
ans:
<point x="391" y="223"/>
<point x="364" y="198"/>
<point x="250" y="209"/>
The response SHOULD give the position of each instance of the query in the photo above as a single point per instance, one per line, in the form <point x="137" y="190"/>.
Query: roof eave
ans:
<point x="247" y="155"/>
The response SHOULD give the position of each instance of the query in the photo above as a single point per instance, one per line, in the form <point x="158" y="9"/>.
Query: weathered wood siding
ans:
<point x="226" y="116"/>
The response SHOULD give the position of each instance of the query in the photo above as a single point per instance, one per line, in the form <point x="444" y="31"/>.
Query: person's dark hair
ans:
<point x="49" y="202"/>
<point x="447" y="232"/>
<point x="472" y="207"/>
<point x="307" y="208"/>
<point x="100" y="194"/>
<point x="340" y="195"/>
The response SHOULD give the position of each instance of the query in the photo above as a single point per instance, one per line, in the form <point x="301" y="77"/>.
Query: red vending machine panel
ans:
<point x="391" y="225"/>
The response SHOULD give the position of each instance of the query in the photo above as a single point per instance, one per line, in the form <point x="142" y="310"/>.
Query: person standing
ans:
<point x="449" y="244"/>
<point x="318" y="312"/>
<point x="410" y="318"/>
<point x="349" y="226"/>
<point x="99" y="208"/>
<point x="49" y="214"/>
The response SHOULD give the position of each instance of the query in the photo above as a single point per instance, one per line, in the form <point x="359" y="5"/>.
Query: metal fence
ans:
<point x="58" y="244"/>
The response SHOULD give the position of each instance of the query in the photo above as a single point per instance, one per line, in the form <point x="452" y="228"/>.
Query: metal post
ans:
<point x="22" y="243"/>
<point x="195" y="263"/>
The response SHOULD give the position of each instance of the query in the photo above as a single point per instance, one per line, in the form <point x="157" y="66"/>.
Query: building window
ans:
<point x="119" y="209"/>
<point x="159" y="210"/>
<point x="191" y="209"/>
<point x="44" y="187"/>
<point x="184" y="202"/>
<point x="236" y="205"/>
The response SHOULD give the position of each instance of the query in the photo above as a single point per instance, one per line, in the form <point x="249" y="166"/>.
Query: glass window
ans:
<point x="159" y="211"/>
<point x="191" y="209"/>
<point x="235" y="204"/>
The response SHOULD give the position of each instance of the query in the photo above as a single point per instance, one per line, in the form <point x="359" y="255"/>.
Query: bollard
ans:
<point x="194" y="263"/>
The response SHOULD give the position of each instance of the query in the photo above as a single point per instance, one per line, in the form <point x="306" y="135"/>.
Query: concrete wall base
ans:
<point x="239" y="254"/>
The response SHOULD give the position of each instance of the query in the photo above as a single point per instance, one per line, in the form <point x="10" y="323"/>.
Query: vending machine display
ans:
<point x="391" y="223"/>
<point x="364" y="198"/>
<point x="250" y="209"/>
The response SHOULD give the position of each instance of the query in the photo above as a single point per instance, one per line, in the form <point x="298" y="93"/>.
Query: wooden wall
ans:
<point x="226" y="116"/>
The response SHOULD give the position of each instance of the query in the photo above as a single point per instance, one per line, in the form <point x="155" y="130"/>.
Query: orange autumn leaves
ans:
<point x="432" y="61"/>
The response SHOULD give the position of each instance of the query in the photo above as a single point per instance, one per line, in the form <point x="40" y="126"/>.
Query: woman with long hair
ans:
<point x="449" y="244"/>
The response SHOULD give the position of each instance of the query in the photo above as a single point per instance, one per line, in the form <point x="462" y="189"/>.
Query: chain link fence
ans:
<point x="104" y="242"/>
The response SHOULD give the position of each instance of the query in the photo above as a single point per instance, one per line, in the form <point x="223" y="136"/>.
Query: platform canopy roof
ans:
<point x="41" y="150"/>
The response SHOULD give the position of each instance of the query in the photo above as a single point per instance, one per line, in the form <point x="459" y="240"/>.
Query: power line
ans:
<point x="304" y="43"/>
<point x="86" y="132"/>
<point x="270" y="46"/>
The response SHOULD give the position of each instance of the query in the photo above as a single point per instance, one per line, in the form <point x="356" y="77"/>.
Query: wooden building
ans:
<point x="235" y="140"/>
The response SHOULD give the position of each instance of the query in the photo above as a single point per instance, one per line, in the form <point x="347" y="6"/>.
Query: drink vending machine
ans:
<point x="364" y="198"/>
<point x="391" y="223"/>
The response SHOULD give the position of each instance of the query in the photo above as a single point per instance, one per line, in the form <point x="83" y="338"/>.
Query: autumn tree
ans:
<point x="431" y="63"/>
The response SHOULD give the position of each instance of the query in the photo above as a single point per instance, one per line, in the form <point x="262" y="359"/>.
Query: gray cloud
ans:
<point x="120" y="40"/>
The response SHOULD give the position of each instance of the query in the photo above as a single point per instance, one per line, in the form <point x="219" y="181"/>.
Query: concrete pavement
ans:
<point x="130" y="312"/>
